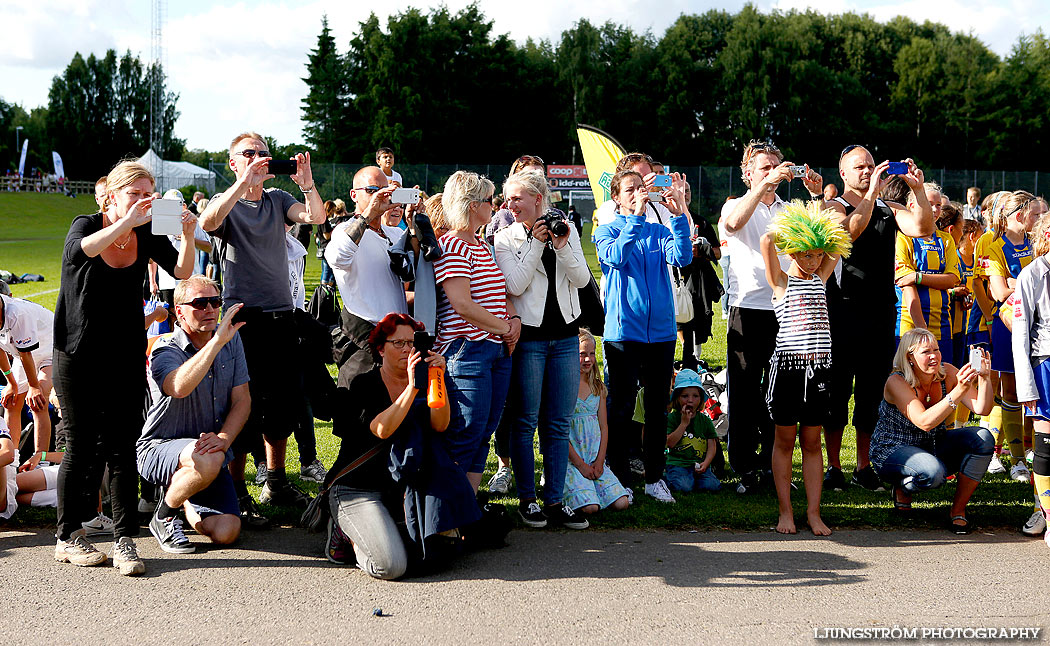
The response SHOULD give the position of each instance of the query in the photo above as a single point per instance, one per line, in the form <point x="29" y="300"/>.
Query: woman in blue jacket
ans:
<point x="640" y="328"/>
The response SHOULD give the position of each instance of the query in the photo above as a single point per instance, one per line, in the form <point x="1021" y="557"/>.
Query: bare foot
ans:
<point x="786" y="524"/>
<point x="817" y="525"/>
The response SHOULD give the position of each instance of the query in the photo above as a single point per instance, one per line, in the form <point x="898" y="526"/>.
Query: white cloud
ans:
<point x="239" y="66"/>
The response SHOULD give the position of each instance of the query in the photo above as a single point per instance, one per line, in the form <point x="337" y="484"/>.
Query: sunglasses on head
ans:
<point x="848" y="149"/>
<point x="201" y="302"/>
<point x="251" y="152"/>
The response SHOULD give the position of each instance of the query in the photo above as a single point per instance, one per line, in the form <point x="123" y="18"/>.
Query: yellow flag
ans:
<point x="600" y="153"/>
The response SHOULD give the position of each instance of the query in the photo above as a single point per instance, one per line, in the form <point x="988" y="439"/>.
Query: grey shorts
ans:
<point x="158" y="461"/>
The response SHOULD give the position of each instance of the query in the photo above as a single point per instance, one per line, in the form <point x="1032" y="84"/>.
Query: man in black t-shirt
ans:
<point x="862" y="303"/>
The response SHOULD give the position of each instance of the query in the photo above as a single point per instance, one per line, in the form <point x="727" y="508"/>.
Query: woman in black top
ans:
<point x="381" y="408"/>
<point x="100" y="359"/>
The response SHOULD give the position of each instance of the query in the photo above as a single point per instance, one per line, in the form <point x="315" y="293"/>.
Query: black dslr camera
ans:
<point x="556" y="223"/>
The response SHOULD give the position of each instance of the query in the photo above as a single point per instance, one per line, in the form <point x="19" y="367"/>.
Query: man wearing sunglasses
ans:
<point x="247" y="223"/>
<point x="199" y="385"/>
<point x="357" y="253"/>
<point x="862" y="302"/>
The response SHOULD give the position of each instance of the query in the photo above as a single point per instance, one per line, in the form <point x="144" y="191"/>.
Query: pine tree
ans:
<point x="324" y="103"/>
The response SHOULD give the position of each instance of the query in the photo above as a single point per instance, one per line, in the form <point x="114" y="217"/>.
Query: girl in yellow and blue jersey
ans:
<point x="925" y="269"/>
<point x="1001" y="254"/>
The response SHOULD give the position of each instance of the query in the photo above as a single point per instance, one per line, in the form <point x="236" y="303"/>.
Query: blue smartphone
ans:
<point x="897" y="168"/>
<point x="663" y="181"/>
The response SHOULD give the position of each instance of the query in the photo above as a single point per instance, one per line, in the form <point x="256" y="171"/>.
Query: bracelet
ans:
<point x="308" y="190"/>
<point x="6" y="372"/>
<point x="951" y="403"/>
<point x="514" y="317"/>
<point x="43" y="456"/>
<point x="918" y="278"/>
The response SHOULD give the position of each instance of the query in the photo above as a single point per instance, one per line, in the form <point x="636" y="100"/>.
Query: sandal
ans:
<point x="964" y="528"/>
<point x="897" y="504"/>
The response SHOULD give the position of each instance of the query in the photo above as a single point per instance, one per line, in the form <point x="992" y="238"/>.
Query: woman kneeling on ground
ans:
<point x="910" y="446"/>
<point x="409" y="476"/>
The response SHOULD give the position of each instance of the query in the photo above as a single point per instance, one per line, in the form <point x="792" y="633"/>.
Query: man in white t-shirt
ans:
<point x="385" y="161"/>
<point x="358" y="256"/>
<point x="752" y="328"/>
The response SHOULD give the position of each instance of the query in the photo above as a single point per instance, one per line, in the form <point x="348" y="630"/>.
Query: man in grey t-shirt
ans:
<point x="199" y="381"/>
<point x="247" y="222"/>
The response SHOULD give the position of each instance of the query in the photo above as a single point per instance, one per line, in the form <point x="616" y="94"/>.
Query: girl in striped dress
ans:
<point x="800" y="368"/>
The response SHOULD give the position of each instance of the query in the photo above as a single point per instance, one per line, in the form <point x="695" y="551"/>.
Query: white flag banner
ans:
<point x="60" y="169"/>
<point x="22" y="162"/>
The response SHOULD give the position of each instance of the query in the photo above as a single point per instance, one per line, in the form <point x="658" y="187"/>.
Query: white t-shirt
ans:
<point x="12" y="472"/>
<point x="28" y="327"/>
<point x="368" y="287"/>
<point x="394" y="176"/>
<point x="296" y="263"/>
<point x="747" y="285"/>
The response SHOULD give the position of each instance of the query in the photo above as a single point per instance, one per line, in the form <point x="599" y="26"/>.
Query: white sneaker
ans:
<point x="630" y="495"/>
<point x="500" y="481"/>
<point x="126" y="557"/>
<point x="659" y="491"/>
<point x="996" y="466"/>
<point x="99" y="525"/>
<point x="1036" y="525"/>
<point x="1019" y="473"/>
<point x="1029" y="456"/>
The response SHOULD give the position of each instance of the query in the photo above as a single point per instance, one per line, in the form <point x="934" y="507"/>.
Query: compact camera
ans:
<point x="797" y="171"/>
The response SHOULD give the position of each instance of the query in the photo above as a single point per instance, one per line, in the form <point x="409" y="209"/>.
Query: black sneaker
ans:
<point x="284" y="494"/>
<point x="250" y="516"/>
<point x="531" y="515"/>
<point x="834" y="480"/>
<point x="168" y="532"/>
<point x="567" y="518"/>
<point x="868" y="479"/>
<point x="748" y="482"/>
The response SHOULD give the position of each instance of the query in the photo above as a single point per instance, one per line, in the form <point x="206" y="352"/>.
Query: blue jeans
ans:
<point x="966" y="450"/>
<point x="545" y="381"/>
<point x="687" y="479"/>
<point x="327" y="275"/>
<point x="478" y="379"/>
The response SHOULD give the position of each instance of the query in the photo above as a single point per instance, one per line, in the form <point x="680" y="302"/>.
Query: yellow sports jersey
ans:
<point x="960" y="311"/>
<point x="1000" y="257"/>
<point x="933" y="255"/>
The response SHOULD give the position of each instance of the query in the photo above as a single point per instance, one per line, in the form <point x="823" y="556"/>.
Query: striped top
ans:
<point x="804" y="337"/>
<point x="961" y="312"/>
<point x="488" y="288"/>
<point x="1000" y="257"/>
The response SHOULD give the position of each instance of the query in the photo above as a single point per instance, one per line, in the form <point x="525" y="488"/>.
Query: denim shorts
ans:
<point x="158" y="461"/>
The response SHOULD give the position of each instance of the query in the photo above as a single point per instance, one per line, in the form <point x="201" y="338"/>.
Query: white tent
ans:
<point x="176" y="174"/>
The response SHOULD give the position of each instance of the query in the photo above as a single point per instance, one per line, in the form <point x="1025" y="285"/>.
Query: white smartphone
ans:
<point x="404" y="196"/>
<point x="655" y="196"/>
<point x="167" y="217"/>
<point x="975" y="359"/>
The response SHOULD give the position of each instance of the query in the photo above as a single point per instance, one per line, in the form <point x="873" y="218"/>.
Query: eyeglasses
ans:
<point x="201" y="302"/>
<point x="399" y="343"/>
<point x="250" y="152"/>
<point x="367" y="189"/>
<point x="848" y="149"/>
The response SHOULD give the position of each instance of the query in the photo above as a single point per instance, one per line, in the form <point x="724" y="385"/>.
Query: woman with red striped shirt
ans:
<point x="477" y="327"/>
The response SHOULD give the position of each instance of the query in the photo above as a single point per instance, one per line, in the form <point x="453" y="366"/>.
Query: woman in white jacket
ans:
<point x="543" y="262"/>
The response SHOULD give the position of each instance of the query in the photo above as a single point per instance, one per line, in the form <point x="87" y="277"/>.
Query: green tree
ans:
<point x="324" y="103"/>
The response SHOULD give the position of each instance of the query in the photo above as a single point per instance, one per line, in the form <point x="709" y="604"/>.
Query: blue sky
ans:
<point x="238" y="65"/>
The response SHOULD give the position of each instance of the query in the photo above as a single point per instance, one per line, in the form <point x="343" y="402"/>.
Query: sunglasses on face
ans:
<point x="201" y="302"/>
<point x="250" y="153"/>
<point x="367" y="189"/>
<point x="490" y="200"/>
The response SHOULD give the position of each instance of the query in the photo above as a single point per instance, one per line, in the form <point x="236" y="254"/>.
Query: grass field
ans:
<point x="33" y="227"/>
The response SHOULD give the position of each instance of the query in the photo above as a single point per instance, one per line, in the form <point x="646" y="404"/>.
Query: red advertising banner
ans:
<point x="567" y="177"/>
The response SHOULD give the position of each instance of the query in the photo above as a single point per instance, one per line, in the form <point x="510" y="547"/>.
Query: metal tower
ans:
<point x="156" y="120"/>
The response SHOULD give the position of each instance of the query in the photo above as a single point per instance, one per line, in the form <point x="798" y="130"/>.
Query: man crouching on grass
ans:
<point x="199" y="383"/>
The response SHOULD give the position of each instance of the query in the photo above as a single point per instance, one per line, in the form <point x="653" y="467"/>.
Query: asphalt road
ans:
<point x="546" y="587"/>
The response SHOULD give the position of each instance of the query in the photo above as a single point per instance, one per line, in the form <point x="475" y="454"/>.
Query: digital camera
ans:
<point x="555" y="222"/>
